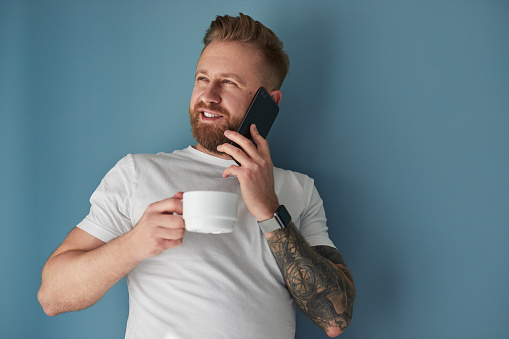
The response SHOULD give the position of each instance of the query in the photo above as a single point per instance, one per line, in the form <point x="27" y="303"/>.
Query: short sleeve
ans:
<point x="110" y="211"/>
<point x="313" y="220"/>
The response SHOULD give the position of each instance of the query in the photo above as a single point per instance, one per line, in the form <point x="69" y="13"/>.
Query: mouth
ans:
<point x="209" y="116"/>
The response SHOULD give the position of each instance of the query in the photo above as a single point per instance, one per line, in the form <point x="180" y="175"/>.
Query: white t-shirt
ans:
<point x="212" y="286"/>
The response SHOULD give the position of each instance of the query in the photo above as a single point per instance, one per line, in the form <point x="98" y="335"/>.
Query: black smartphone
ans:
<point x="262" y="112"/>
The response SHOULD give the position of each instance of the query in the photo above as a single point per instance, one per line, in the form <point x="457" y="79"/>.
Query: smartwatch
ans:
<point x="280" y="220"/>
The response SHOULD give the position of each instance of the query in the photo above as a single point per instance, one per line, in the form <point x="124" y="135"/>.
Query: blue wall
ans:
<point x="398" y="109"/>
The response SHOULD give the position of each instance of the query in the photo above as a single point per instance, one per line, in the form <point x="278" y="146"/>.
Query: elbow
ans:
<point x="341" y="325"/>
<point x="333" y="331"/>
<point x="47" y="306"/>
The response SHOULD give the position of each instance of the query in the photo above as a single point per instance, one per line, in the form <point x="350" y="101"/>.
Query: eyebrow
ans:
<point x="224" y="75"/>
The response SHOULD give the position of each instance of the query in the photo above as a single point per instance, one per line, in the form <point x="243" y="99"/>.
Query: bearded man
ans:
<point x="243" y="284"/>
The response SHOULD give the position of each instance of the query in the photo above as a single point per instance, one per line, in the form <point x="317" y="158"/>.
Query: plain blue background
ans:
<point x="398" y="109"/>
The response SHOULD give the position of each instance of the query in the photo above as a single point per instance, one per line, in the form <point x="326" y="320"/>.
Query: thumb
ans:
<point x="230" y="171"/>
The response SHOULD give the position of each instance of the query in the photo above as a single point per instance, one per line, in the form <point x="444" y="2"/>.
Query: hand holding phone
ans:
<point x="262" y="112"/>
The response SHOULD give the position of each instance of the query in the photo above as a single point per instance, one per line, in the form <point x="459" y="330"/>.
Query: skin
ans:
<point x="83" y="268"/>
<point x="227" y="76"/>
<point x="317" y="278"/>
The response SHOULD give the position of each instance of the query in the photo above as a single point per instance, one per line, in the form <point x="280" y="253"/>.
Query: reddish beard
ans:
<point x="211" y="135"/>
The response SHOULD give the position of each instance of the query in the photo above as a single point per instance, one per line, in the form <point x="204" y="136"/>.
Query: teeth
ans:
<point x="208" y="115"/>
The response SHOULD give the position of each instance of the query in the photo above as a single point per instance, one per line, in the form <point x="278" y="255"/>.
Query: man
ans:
<point x="191" y="285"/>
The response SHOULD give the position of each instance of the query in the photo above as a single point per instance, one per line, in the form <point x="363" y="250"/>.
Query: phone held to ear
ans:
<point x="262" y="112"/>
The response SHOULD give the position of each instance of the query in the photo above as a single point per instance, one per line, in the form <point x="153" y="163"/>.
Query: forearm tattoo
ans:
<point x="317" y="278"/>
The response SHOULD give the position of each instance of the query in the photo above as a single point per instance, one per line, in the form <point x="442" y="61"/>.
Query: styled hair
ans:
<point x="245" y="30"/>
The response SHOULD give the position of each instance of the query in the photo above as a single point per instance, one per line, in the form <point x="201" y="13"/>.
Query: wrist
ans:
<point x="131" y="247"/>
<point x="279" y="220"/>
<point x="268" y="212"/>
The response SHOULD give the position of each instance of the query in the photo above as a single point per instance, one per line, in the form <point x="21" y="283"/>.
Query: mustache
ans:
<point x="212" y="107"/>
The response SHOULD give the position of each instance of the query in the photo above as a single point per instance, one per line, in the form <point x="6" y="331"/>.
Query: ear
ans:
<point x="276" y="95"/>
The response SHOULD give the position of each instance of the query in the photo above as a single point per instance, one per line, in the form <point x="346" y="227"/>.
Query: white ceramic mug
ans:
<point x="210" y="211"/>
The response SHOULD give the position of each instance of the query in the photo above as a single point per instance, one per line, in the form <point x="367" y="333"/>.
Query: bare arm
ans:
<point x="83" y="268"/>
<point x="317" y="278"/>
<point x="81" y="271"/>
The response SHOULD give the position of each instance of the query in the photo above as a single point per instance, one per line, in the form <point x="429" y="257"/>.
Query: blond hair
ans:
<point x="245" y="30"/>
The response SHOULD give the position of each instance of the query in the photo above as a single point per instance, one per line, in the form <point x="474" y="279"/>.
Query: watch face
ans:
<point x="283" y="216"/>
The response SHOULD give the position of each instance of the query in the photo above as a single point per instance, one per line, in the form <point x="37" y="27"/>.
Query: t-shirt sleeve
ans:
<point x="110" y="211"/>
<point x="313" y="224"/>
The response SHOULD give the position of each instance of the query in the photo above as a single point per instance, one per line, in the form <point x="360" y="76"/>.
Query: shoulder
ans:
<point x="285" y="177"/>
<point x="281" y="172"/>
<point x="146" y="160"/>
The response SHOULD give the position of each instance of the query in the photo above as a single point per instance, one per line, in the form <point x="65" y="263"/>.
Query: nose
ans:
<point x="211" y="93"/>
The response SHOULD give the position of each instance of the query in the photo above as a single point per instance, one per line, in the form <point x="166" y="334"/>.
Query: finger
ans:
<point x="172" y="243"/>
<point x="170" y="234"/>
<point x="178" y="195"/>
<point x="247" y="145"/>
<point x="235" y="152"/>
<point x="169" y="221"/>
<point x="261" y="142"/>
<point x="233" y="170"/>
<point x="169" y="205"/>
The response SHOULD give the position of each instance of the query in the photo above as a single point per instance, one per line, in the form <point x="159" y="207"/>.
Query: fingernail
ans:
<point x="227" y="132"/>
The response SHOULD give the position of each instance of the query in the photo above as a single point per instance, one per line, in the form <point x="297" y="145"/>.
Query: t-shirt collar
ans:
<point x="210" y="159"/>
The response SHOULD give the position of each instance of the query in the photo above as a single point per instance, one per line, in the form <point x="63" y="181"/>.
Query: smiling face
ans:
<point x="228" y="74"/>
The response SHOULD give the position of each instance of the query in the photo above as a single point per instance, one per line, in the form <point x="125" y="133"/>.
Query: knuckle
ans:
<point x="172" y="202"/>
<point x="257" y="168"/>
<point x="172" y="243"/>
<point x="263" y="142"/>
<point x="177" y="242"/>
<point x="237" y="151"/>
<point x="178" y="222"/>
<point x="264" y="164"/>
<point x="177" y="233"/>
<point x="252" y="172"/>
<point x="149" y="218"/>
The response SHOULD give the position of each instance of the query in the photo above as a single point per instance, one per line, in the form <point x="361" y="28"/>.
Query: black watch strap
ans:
<point x="280" y="220"/>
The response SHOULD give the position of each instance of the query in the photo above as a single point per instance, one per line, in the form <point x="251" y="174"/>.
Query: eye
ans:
<point x="229" y="82"/>
<point x="201" y="78"/>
